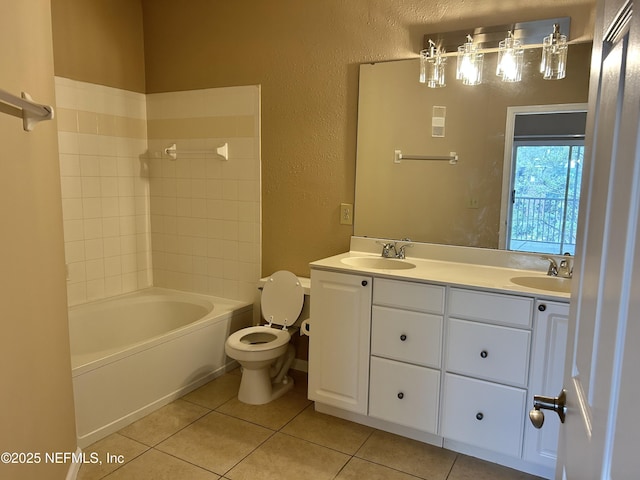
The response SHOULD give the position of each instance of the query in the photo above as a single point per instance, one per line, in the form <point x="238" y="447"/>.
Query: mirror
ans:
<point x="429" y="200"/>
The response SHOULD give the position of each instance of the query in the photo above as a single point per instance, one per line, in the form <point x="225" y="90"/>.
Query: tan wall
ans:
<point x="36" y="398"/>
<point x="305" y="55"/>
<point x="99" y="41"/>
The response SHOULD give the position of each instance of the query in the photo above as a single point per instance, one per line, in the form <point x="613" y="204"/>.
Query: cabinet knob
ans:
<point x="479" y="416"/>
<point x="403" y="337"/>
<point x="484" y="354"/>
<point x="400" y="395"/>
<point x="364" y="283"/>
<point x="542" y="307"/>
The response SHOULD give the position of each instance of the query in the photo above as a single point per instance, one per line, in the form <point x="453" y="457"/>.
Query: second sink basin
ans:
<point x="553" y="284"/>
<point x="378" y="263"/>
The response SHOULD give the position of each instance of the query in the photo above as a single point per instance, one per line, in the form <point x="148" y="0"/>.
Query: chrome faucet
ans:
<point x="395" y="249"/>
<point x="564" y="269"/>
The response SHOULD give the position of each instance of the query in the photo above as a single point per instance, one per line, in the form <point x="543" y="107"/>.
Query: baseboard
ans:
<point x="74" y="467"/>
<point x="300" y="365"/>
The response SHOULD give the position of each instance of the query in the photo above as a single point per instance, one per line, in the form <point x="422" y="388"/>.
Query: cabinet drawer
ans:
<point x="491" y="307"/>
<point x="404" y="394"/>
<point x="483" y="414"/>
<point x="407" y="336"/>
<point x="409" y="295"/>
<point x="492" y="352"/>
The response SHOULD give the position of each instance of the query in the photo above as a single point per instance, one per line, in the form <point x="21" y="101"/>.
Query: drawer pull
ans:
<point x="479" y="416"/>
<point x="484" y="354"/>
<point x="403" y="337"/>
<point x="400" y="395"/>
<point x="364" y="283"/>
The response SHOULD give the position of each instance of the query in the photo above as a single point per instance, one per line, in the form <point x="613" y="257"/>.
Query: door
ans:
<point x="601" y="436"/>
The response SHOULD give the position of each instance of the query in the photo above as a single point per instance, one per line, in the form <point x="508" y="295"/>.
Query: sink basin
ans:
<point x="378" y="263"/>
<point x="552" y="284"/>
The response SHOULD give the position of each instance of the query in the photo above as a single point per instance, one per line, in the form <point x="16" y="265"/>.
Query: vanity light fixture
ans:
<point x="510" y="59"/>
<point x="470" y="61"/>
<point x="432" y="64"/>
<point x="554" y="55"/>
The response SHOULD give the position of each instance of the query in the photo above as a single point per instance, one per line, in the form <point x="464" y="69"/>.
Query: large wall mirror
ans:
<point x="434" y="201"/>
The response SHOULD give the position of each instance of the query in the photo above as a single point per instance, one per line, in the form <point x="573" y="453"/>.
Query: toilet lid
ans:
<point x="282" y="298"/>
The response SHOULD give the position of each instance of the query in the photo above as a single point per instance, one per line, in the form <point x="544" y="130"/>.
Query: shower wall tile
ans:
<point x="132" y="217"/>
<point x="205" y="212"/>
<point x="102" y="141"/>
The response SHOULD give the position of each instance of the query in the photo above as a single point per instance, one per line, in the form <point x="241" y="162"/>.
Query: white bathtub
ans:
<point x="134" y="353"/>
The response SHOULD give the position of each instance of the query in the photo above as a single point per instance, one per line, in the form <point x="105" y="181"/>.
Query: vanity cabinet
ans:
<point x="487" y="367"/>
<point x="340" y="336"/>
<point x="550" y="327"/>
<point x="449" y="365"/>
<point x="406" y="347"/>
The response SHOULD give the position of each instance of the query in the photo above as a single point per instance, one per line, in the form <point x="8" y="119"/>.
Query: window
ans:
<point x="545" y="196"/>
<point x="544" y="153"/>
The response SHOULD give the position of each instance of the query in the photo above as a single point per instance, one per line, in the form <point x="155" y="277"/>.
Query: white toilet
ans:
<point x="264" y="352"/>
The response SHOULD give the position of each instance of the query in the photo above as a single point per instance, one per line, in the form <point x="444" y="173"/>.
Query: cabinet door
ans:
<point x="339" y="340"/>
<point x="547" y="365"/>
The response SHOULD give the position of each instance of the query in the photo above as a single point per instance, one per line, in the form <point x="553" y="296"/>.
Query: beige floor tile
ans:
<point x="273" y="415"/>
<point x="469" y="468"/>
<point x="216" y="442"/>
<point x="114" y="444"/>
<point x="155" y="465"/>
<point x="216" y="392"/>
<point x="358" y="469"/>
<point x="406" y="455"/>
<point x="287" y="458"/>
<point x="164" y="422"/>
<point x="328" y="431"/>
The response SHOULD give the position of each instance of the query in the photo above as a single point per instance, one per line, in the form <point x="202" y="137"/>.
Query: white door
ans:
<point x="601" y="436"/>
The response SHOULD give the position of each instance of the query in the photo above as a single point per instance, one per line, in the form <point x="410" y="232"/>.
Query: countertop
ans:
<point x="494" y="278"/>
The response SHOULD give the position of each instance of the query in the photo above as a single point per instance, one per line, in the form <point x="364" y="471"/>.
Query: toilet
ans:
<point x="264" y="351"/>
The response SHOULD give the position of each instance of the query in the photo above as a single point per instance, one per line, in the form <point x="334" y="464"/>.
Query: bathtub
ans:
<point x="134" y="353"/>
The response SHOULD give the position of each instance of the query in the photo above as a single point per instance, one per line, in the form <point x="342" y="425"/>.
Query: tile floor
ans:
<point x="209" y="435"/>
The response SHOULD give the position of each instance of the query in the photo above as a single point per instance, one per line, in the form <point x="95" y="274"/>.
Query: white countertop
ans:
<point x="496" y="278"/>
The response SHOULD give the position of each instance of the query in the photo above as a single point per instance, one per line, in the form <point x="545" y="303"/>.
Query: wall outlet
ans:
<point x="346" y="214"/>
<point x="473" y="203"/>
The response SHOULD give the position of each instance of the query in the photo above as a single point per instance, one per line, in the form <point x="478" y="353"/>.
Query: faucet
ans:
<point x="400" y="249"/>
<point x="564" y="269"/>
<point x="386" y="249"/>
<point x="395" y="249"/>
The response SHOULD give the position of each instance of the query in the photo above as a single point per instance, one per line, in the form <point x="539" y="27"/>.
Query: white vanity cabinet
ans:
<point x="487" y="346"/>
<point x="339" y="342"/>
<point x="406" y="347"/>
<point x="550" y="325"/>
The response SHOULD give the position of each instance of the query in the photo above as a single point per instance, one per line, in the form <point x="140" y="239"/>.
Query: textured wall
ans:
<point x="99" y="41"/>
<point x="306" y="56"/>
<point x="36" y="396"/>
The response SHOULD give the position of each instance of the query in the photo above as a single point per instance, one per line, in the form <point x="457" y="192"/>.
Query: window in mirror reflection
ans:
<point x="545" y="195"/>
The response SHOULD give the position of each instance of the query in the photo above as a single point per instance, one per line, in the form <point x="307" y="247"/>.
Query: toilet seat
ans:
<point x="258" y="339"/>
<point x="282" y="299"/>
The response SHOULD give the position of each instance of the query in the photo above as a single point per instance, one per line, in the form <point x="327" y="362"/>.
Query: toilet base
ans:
<point x="256" y="387"/>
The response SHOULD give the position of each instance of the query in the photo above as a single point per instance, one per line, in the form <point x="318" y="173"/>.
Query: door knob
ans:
<point x="557" y="404"/>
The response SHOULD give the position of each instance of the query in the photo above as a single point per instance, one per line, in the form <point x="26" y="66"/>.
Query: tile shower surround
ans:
<point x="132" y="217"/>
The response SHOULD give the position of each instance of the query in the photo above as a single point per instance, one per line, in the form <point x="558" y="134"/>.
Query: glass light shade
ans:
<point x="470" y="61"/>
<point x="510" y="60"/>
<point x="432" y="65"/>
<point x="554" y="56"/>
